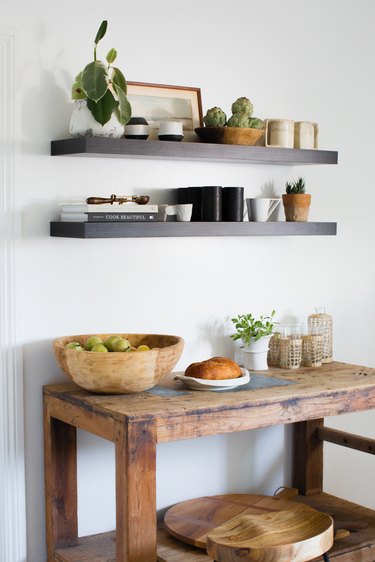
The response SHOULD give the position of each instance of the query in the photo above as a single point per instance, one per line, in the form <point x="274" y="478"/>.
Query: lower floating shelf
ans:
<point x="359" y="546"/>
<point x="177" y="229"/>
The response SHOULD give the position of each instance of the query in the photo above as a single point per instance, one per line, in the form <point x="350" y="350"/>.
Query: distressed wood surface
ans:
<point x="363" y="444"/>
<point x="359" y="546"/>
<point x="307" y="463"/>
<point x="316" y="393"/>
<point x="173" y="550"/>
<point x="60" y="470"/>
<point x="102" y="548"/>
<point x="136" y="524"/>
<point x="86" y="417"/>
<point x="335" y="388"/>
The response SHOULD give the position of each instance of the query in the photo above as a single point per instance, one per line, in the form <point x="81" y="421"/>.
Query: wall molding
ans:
<point x="12" y="481"/>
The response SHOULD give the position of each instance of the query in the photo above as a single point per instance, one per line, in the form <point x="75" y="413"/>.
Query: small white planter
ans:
<point x="255" y="354"/>
<point x="83" y="124"/>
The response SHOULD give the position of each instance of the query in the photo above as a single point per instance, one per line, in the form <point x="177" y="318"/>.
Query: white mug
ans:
<point x="279" y="133"/>
<point x="183" y="212"/>
<point x="305" y="134"/>
<point x="261" y="208"/>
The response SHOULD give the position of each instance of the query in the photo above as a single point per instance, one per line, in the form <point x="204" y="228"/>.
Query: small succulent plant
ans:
<point x="215" y="117"/>
<point x="242" y="105"/>
<point x="297" y="186"/>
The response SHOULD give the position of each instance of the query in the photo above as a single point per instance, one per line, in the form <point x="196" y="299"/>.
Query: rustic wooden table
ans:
<point x="137" y="422"/>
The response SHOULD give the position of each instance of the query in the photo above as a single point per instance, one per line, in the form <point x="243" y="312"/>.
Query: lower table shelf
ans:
<point x="177" y="229"/>
<point x="359" y="546"/>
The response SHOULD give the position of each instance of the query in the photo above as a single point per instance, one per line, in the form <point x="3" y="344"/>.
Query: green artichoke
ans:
<point x="242" y="105"/>
<point x="215" y="117"/>
<point x="239" y="120"/>
<point x="256" y="123"/>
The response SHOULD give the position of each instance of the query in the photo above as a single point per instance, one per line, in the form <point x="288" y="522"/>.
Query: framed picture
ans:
<point x="159" y="102"/>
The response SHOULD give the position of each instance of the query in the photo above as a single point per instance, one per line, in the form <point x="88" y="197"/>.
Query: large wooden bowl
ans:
<point x="119" y="372"/>
<point x="231" y="135"/>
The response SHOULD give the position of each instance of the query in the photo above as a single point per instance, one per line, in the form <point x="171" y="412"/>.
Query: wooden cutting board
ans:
<point x="190" y="521"/>
<point x="279" y="535"/>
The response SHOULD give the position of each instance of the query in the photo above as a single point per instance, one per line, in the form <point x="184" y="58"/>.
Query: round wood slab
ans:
<point x="190" y="521"/>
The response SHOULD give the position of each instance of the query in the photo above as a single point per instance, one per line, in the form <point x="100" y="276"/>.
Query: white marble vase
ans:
<point x="83" y="124"/>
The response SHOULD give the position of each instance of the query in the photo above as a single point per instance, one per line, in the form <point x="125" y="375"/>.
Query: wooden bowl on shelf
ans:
<point x="119" y="372"/>
<point x="231" y="135"/>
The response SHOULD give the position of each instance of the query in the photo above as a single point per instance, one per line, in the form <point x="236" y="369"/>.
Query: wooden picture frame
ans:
<point x="161" y="102"/>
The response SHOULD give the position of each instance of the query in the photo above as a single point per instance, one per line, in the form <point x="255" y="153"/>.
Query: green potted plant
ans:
<point x="255" y="334"/>
<point x="296" y="202"/>
<point x="99" y="92"/>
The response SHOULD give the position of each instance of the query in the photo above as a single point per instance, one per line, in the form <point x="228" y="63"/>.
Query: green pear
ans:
<point x="110" y="341"/>
<point x="121" y="345"/>
<point x="74" y="345"/>
<point x="99" y="347"/>
<point x="91" y="341"/>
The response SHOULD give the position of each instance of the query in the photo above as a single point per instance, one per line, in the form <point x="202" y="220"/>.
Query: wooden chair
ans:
<point x="292" y="535"/>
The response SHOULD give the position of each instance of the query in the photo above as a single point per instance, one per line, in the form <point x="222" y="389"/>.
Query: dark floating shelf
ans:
<point x="199" y="151"/>
<point x="188" y="229"/>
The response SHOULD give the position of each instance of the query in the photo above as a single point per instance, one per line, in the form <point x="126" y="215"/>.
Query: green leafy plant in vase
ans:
<point x="255" y="334"/>
<point x="296" y="201"/>
<point x="100" y="95"/>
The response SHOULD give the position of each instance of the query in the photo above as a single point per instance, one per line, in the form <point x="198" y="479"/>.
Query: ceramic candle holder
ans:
<point x="137" y="128"/>
<point x="170" y="131"/>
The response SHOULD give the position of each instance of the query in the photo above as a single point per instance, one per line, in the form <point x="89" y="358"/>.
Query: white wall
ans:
<point x="296" y="59"/>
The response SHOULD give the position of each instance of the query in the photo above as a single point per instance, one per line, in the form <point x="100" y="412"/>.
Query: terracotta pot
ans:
<point x="296" y="206"/>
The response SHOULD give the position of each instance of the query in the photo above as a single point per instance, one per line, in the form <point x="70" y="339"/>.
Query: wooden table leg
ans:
<point x="135" y="444"/>
<point x="60" y="468"/>
<point x="308" y="457"/>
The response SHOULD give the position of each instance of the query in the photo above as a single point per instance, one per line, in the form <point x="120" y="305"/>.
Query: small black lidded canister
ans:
<point x="211" y="203"/>
<point x="233" y="204"/>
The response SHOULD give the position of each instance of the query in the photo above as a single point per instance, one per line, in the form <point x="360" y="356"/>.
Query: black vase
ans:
<point x="191" y="195"/>
<point x="233" y="204"/>
<point x="211" y="203"/>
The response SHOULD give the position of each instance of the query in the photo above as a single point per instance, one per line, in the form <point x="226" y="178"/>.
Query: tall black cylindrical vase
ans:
<point x="233" y="204"/>
<point x="191" y="195"/>
<point x="211" y="208"/>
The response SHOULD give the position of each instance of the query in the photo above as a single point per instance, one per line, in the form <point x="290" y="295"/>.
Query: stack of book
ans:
<point x="83" y="212"/>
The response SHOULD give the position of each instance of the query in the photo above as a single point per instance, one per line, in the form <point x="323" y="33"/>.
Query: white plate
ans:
<point x="215" y="385"/>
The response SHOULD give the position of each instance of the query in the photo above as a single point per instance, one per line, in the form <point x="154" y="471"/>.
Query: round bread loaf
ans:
<point x="216" y="368"/>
